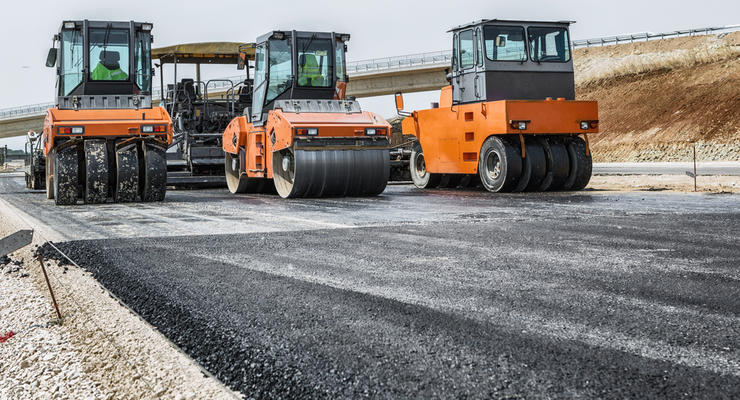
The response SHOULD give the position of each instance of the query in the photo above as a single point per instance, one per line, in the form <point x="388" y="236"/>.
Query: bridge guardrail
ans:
<point x="647" y="36"/>
<point x="410" y="60"/>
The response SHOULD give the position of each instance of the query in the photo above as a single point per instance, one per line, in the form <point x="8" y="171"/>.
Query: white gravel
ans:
<point x="100" y="351"/>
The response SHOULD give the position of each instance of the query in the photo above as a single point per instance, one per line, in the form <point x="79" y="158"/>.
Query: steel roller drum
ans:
<point x="331" y="173"/>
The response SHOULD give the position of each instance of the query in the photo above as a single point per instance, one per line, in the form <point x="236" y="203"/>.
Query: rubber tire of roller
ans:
<point x="510" y="161"/>
<point x="66" y="176"/>
<point x="96" y="171"/>
<point x="557" y="165"/>
<point x="583" y="164"/>
<point x="538" y="165"/>
<point x="426" y="181"/>
<point x="560" y="164"/>
<point x="127" y="174"/>
<point x="50" y="176"/>
<point x="154" y="185"/>
<point x="237" y="183"/>
<point x="526" y="170"/>
<point x="324" y="173"/>
<point x="450" y="181"/>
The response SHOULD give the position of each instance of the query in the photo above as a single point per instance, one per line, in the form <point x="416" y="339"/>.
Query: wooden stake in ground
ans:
<point x="53" y="299"/>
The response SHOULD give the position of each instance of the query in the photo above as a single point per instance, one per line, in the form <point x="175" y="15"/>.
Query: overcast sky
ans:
<point x="378" y="28"/>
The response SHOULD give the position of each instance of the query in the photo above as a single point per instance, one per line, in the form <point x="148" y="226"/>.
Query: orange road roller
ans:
<point x="300" y="131"/>
<point x="104" y="139"/>
<point x="509" y="119"/>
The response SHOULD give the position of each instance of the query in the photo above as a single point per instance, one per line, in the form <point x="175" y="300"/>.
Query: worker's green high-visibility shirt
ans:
<point x="101" y="73"/>
<point x="309" y="74"/>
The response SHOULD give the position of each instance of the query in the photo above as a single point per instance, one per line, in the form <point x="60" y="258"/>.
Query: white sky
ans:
<point x="379" y="28"/>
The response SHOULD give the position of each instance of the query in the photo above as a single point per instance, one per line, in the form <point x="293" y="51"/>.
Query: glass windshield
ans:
<point x="142" y="61"/>
<point x="549" y="44"/>
<point x="341" y="71"/>
<point x="280" y="69"/>
<point x="259" y="80"/>
<point x="109" y="50"/>
<point x="504" y="43"/>
<point x="467" y="57"/>
<point x="71" y="49"/>
<point x="315" y="63"/>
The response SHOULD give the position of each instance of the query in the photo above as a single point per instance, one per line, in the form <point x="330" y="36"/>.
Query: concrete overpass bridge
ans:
<point x="374" y="77"/>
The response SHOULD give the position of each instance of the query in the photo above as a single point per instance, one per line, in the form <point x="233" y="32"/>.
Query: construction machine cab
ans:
<point x="297" y="65"/>
<point x="511" y="60"/>
<point x="103" y="64"/>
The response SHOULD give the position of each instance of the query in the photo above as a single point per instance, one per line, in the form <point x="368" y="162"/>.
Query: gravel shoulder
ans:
<point x="100" y="350"/>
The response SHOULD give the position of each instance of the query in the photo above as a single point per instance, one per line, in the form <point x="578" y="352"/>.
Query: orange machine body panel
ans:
<point x="452" y="135"/>
<point x="102" y="123"/>
<point x="283" y="126"/>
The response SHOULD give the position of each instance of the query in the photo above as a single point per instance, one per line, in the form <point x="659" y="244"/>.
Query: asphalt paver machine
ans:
<point x="200" y="109"/>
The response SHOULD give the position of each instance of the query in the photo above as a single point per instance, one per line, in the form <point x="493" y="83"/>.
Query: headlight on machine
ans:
<point x="153" y="128"/>
<point x="585" y="125"/>
<point x="518" y="124"/>
<point x="71" y="130"/>
<point x="374" y="131"/>
<point x="307" y="131"/>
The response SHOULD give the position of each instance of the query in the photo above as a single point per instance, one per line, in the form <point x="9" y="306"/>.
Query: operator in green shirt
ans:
<point x="108" y="68"/>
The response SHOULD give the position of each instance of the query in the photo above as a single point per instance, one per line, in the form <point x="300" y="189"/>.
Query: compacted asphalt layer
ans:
<point x="427" y="294"/>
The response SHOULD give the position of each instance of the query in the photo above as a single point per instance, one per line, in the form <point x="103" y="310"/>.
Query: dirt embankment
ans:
<point x="657" y="99"/>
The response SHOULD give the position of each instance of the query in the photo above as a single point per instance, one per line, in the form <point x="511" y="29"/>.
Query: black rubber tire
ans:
<point x="39" y="183"/>
<point x="237" y="183"/>
<point x="66" y="178"/>
<point x="557" y="164"/>
<point x="96" y="171"/>
<point x="499" y="164"/>
<point x="127" y="174"/>
<point x="330" y="173"/>
<point x="450" y="181"/>
<point x="537" y="163"/>
<point x="153" y="178"/>
<point x="526" y="170"/>
<point x="50" y="176"/>
<point x="417" y="168"/>
<point x="470" y="181"/>
<point x="582" y="163"/>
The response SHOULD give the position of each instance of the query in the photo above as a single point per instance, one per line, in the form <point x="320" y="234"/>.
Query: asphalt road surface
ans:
<point x="428" y="294"/>
<point x="668" y="168"/>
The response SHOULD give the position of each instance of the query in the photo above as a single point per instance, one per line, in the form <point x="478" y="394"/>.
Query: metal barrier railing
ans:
<point x="411" y="60"/>
<point x="646" y="36"/>
<point x="375" y="64"/>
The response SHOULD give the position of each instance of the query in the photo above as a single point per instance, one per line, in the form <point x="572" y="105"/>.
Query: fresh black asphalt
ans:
<point x="535" y="296"/>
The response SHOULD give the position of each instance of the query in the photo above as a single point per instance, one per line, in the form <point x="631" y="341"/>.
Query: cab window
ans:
<point x="549" y="44"/>
<point x="454" y="52"/>
<point x="315" y="66"/>
<point x="467" y="57"/>
<point x="71" y="61"/>
<point x="142" y="62"/>
<point x="341" y="69"/>
<point x="504" y="43"/>
<point x="280" y="68"/>
<point x="109" y="52"/>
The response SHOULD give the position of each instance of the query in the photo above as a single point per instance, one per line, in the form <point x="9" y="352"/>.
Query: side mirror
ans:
<point x="399" y="101"/>
<point x="399" y="106"/>
<point x="242" y="61"/>
<point x="51" y="58"/>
